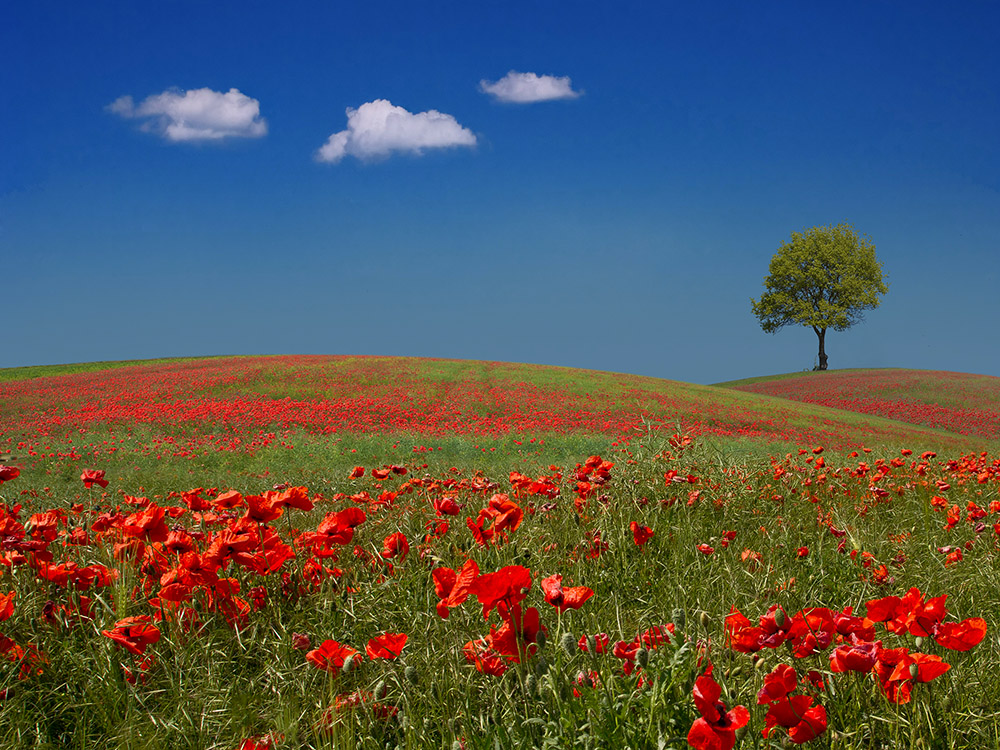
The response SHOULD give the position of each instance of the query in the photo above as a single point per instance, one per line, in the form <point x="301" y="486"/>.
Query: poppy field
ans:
<point x="377" y="553"/>
<point x="954" y="401"/>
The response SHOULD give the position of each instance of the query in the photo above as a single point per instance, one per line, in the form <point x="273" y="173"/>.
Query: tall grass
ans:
<point x="215" y="686"/>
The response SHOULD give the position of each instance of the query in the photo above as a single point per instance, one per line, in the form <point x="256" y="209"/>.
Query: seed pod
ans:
<point x="410" y="673"/>
<point x="531" y="684"/>
<point x="642" y="657"/>
<point x="919" y="642"/>
<point x="541" y="665"/>
<point x="568" y="644"/>
<point x="779" y="617"/>
<point x="541" y="639"/>
<point x="677" y="618"/>
<point x="914" y="671"/>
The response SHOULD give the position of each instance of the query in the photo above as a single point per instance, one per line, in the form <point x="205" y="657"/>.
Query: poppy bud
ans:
<point x="704" y="619"/>
<point x="456" y="745"/>
<point x="380" y="690"/>
<point x="541" y="639"/>
<point x="568" y="643"/>
<point x="410" y="673"/>
<point x="761" y="665"/>
<point x="642" y="657"/>
<point x="349" y="663"/>
<point x="779" y="617"/>
<point x="677" y="618"/>
<point x="591" y="645"/>
<point x="531" y="684"/>
<point x="541" y="665"/>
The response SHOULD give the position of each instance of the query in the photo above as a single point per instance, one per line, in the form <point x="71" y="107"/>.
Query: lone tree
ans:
<point x="824" y="277"/>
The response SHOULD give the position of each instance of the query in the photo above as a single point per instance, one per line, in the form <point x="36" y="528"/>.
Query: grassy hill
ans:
<point x="954" y="401"/>
<point x="230" y="403"/>
<point x="194" y="548"/>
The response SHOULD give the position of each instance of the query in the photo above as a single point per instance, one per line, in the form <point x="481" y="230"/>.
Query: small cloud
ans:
<point x="378" y="128"/>
<point x="523" y="88"/>
<point x="196" y="115"/>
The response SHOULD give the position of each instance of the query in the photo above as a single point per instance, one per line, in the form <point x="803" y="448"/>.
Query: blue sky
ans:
<point x="620" y="222"/>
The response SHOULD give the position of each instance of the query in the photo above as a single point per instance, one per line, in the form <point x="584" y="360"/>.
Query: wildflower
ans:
<point x="716" y="728"/>
<point x="134" y="634"/>
<point x="330" y="656"/>
<point x="386" y="646"/>
<point x="395" y="545"/>
<point x="640" y="534"/>
<point x="564" y="598"/>
<point x="90" y="477"/>
<point x="803" y="718"/>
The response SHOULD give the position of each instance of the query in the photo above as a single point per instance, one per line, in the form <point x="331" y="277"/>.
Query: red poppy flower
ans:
<point x="357" y="472"/>
<point x="778" y="684"/>
<point x="330" y="656"/>
<point x="919" y="668"/>
<point x="859" y="656"/>
<point x="518" y="634"/>
<point x="386" y="646"/>
<point x="811" y="630"/>
<point x="90" y="477"/>
<point x="804" y="719"/>
<point x="454" y="588"/>
<point x="395" y="545"/>
<point x="338" y="528"/>
<point x="8" y="472"/>
<point x="292" y="497"/>
<point x="261" y="509"/>
<point x="194" y="501"/>
<point x="134" y="634"/>
<point x="706" y="549"/>
<point x="847" y="624"/>
<point x="656" y="635"/>
<point x="741" y="634"/>
<point x="563" y="599"/>
<point x="6" y="605"/>
<point x="487" y="661"/>
<point x="148" y="525"/>
<point x="640" y="534"/>
<point x="716" y="728"/>
<point x="226" y="500"/>
<point x="601" y="643"/>
<point x="961" y="636"/>
<point x="446" y="506"/>
<point x="509" y="584"/>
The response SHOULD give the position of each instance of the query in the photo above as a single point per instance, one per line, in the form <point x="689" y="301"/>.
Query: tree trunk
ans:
<point x="821" y="334"/>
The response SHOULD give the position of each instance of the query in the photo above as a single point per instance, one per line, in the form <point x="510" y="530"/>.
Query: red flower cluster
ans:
<point x="814" y="630"/>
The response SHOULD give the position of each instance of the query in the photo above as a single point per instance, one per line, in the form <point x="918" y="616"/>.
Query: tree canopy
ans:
<point x="824" y="277"/>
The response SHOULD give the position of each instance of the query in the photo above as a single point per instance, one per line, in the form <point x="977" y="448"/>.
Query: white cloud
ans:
<point x="196" y="115"/>
<point x="376" y="129"/>
<point x="529" y="87"/>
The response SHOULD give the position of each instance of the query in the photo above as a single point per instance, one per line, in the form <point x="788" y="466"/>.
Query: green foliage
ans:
<point x="824" y="277"/>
